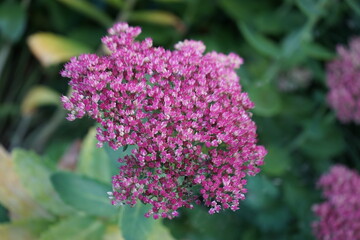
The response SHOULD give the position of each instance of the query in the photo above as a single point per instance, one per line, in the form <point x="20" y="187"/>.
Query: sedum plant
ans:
<point x="343" y="80"/>
<point x="185" y="112"/>
<point x="339" y="215"/>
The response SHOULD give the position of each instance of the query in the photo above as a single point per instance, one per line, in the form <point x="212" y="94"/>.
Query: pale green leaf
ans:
<point x="36" y="177"/>
<point x="75" y="228"/>
<point x="51" y="49"/>
<point x="13" y="194"/>
<point x="23" y="230"/>
<point x="39" y="96"/>
<point x="93" y="161"/>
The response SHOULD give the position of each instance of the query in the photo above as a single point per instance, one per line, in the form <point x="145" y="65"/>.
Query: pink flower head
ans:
<point x="184" y="110"/>
<point x="343" y="79"/>
<point x="339" y="215"/>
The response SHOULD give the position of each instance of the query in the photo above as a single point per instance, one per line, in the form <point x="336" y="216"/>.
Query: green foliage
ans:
<point x="267" y="100"/>
<point x="28" y="165"/>
<point x="93" y="161"/>
<point x="275" y="39"/>
<point x="277" y="162"/>
<point x="75" y="227"/>
<point x="259" y="42"/>
<point x="12" y="21"/>
<point x="135" y="226"/>
<point x="4" y="214"/>
<point x="84" y="194"/>
<point x="29" y="229"/>
<point x="86" y="8"/>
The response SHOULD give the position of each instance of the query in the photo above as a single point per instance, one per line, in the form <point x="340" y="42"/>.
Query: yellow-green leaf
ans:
<point x="39" y="96"/>
<point x="13" y="195"/>
<point x="23" y="230"/>
<point x="51" y="49"/>
<point x="36" y="177"/>
<point x="158" y="17"/>
<point x="75" y="228"/>
<point x="113" y="232"/>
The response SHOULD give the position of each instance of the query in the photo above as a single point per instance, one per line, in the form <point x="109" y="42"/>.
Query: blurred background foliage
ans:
<point x="53" y="180"/>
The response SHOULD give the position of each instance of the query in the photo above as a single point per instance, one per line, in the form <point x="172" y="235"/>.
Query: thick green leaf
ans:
<point x="267" y="100"/>
<point x="84" y="194"/>
<point x="262" y="192"/>
<point x="135" y="226"/>
<point x="277" y="161"/>
<point x="259" y="42"/>
<point x="297" y="106"/>
<point x="293" y="191"/>
<point x="23" y="230"/>
<point x="243" y="9"/>
<point x="292" y="52"/>
<point x="223" y="225"/>
<point x="309" y="7"/>
<point x="36" y="177"/>
<point x="4" y="214"/>
<point x="93" y="161"/>
<point x="89" y="10"/>
<point x="278" y="21"/>
<point x="324" y="139"/>
<point x="318" y="52"/>
<point x="12" y="20"/>
<point x="355" y="6"/>
<point x="75" y="228"/>
<point x="274" y="219"/>
<point x="114" y="155"/>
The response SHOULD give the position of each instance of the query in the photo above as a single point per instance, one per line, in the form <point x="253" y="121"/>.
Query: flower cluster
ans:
<point x="183" y="110"/>
<point x="343" y="79"/>
<point x="340" y="213"/>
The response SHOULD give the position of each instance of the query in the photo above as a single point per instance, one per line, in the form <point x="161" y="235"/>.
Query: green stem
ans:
<point x="4" y="54"/>
<point x="126" y="11"/>
<point x="271" y="72"/>
<point x="48" y="130"/>
<point x="20" y="132"/>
